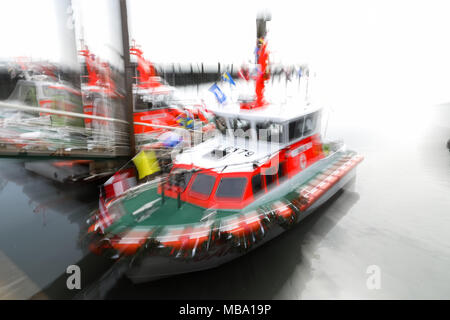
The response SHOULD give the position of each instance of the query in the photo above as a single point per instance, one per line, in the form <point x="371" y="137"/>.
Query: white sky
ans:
<point x="28" y="28"/>
<point x="374" y="50"/>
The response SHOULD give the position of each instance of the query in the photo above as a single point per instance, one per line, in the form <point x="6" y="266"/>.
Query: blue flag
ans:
<point x="227" y="77"/>
<point x="220" y="96"/>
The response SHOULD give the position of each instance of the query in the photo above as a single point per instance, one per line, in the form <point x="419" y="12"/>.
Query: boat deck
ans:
<point x="147" y="214"/>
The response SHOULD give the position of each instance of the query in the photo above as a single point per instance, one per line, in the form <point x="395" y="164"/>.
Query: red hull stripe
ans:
<point x="193" y="238"/>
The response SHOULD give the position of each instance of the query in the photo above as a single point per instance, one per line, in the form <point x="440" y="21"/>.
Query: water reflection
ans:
<point x="40" y="225"/>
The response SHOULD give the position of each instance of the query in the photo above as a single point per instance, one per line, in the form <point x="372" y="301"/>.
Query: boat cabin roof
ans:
<point x="240" y="150"/>
<point x="225" y="154"/>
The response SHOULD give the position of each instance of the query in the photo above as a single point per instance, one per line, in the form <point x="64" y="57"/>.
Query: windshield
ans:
<point x="231" y="188"/>
<point x="144" y="102"/>
<point x="64" y="100"/>
<point x="203" y="185"/>
<point x="240" y="124"/>
<point x="270" y="132"/>
<point x="25" y="93"/>
<point x="311" y="121"/>
<point x="241" y="128"/>
<point x="296" y="129"/>
<point x="62" y="94"/>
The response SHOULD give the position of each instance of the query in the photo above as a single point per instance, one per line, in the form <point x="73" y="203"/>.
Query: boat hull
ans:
<point x="155" y="267"/>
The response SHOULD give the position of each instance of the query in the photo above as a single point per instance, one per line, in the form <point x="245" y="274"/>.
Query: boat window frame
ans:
<point x="282" y="172"/>
<point x="273" y="180"/>
<point x="281" y="136"/>
<point x="289" y="139"/>
<point x="247" y="133"/>
<point x="315" y="116"/>
<point x="222" y="198"/>
<point x="156" y="104"/>
<point x="314" y="131"/>
<point x="199" y="195"/>
<point x="261" y="184"/>
<point x="24" y="93"/>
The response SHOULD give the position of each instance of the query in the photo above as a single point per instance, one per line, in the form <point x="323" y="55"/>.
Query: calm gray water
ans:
<point x="397" y="217"/>
<point x="40" y="225"/>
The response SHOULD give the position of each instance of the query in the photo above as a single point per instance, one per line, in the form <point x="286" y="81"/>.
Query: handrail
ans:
<point x="58" y="112"/>
<point x="85" y="116"/>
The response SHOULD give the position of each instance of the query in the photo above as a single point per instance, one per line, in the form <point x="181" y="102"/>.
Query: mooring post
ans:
<point x="127" y="75"/>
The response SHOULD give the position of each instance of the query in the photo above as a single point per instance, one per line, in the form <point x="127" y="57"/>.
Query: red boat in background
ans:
<point x="155" y="103"/>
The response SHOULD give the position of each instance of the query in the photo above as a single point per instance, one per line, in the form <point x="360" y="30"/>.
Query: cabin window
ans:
<point x="151" y="102"/>
<point x="161" y="104"/>
<point x="270" y="179"/>
<point x="256" y="183"/>
<point x="269" y="131"/>
<point x="65" y="95"/>
<point x="203" y="184"/>
<point x="30" y="96"/>
<point x="141" y="105"/>
<point x="241" y="128"/>
<point x="241" y="124"/>
<point x="295" y="129"/>
<point x="310" y="123"/>
<point x="231" y="188"/>
<point x="281" y="172"/>
<point x="221" y="124"/>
